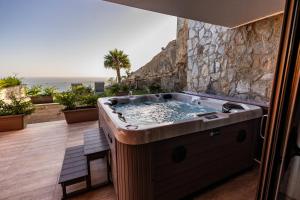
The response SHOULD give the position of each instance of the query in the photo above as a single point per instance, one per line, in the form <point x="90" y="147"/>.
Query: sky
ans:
<point x="69" y="38"/>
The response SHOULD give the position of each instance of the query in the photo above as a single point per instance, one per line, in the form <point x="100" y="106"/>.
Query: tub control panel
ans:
<point x="211" y="116"/>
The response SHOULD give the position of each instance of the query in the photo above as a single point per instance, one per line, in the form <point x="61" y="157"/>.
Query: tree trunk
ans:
<point x="118" y="75"/>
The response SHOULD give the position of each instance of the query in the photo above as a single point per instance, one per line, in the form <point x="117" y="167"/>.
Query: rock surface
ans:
<point x="237" y="62"/>
<point x="17" y="91"/>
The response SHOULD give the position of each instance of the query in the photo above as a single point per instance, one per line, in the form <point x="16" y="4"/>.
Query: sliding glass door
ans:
<point x="280" y="170"/>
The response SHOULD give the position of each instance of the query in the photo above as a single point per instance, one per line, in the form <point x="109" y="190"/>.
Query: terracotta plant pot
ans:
<point x="81" y="115"/>
<point x="41" y="99"/>
<point x="12" y="123"/>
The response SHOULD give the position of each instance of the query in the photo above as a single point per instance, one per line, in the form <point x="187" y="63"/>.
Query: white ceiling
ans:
<point x="230" y="13"/>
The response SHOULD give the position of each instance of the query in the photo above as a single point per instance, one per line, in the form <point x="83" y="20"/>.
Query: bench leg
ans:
<point x="88" y="180"/>
<point x="64" y="191"/>
<point x="108" y="168"/>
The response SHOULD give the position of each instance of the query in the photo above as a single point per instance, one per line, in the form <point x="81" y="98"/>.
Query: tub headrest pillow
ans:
<point x="113" y="101"/>
<point x="167" y="96"/>
<point x="227" y="107"/>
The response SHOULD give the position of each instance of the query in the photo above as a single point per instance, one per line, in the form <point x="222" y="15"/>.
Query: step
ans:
<point x="74" y="169"/>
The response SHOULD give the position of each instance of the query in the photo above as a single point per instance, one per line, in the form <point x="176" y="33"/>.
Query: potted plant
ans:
<point x="80" y="105"/>
<point x="154" y="88"/>
<point x="13" y="112"/>
<point x="9" y="81"/>
<point x="119" y="89"/>
<point x="41" y="95"/>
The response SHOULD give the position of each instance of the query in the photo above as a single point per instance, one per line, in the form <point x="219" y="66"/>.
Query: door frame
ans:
<point x="282" y="104"/>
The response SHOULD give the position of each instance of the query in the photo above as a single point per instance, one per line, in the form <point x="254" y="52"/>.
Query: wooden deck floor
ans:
<point x="31" y="159"/>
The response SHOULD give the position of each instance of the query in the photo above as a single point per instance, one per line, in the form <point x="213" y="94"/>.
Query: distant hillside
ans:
<point x="167" y="68"/>
<point x="162" y="63"/>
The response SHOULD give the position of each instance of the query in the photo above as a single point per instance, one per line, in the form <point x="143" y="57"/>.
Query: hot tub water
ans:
<point x="155" y="112"/>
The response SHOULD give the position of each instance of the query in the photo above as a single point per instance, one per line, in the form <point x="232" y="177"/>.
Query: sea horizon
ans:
<point x="61" y="83"/>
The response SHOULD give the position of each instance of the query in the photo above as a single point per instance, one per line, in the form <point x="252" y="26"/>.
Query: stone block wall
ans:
<point x="206" y="58"/>
<point x="238" y="62"/>
<point x="17" y="91"/>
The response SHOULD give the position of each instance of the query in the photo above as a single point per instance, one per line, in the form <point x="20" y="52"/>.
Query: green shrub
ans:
<point x="77" y="96"/>
<point x="107" y="93"/>
<point x="89" y="100"/>
<point x="49" y="91"/>
<point x="124" y="88"/>
<point x="17" y="106"/>
<point x="34" y="91"/>
<point x="38" y="90"/>
<point x="81" y="90"/>
<point x="154" y="88"/>
<point x="9" y="82"/>
<point x="140" y="92"/>
<point x="116" y="88"/>
<point x="3" y="109"/>
<point x="67" y="99"/>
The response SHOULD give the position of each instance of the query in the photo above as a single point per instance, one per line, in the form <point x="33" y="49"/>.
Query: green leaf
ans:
<point x="9" y="81"/>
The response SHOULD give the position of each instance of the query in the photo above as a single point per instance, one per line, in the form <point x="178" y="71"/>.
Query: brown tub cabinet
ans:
<point x="176" y="167"/>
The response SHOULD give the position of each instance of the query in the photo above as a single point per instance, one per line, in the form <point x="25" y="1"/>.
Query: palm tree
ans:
<point x="117" y="60"/>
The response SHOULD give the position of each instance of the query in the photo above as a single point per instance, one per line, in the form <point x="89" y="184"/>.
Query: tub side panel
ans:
<point x="208" y="158"/>
<point x="134" y="172"/>
<point x="104" y="123"/>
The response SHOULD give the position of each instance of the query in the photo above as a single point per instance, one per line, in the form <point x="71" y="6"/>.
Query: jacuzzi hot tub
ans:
<point x="166" y="146"/>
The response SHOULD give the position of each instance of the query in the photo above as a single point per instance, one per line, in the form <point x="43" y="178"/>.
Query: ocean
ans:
<point x="61" y="84"/>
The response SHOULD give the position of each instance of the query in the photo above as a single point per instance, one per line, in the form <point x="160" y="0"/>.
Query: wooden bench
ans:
<point x="74" y="170"/>
<point x="76" y="163"/>
<point x="96" y="147"/>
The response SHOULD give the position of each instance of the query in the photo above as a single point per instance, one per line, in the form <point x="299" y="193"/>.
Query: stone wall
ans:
<point x="206" y="58"/>
<point x="181" y="52"/>
<point x="237" y="62"/>
<point x="17" y="91"/>
<point x="168" y="68"/>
